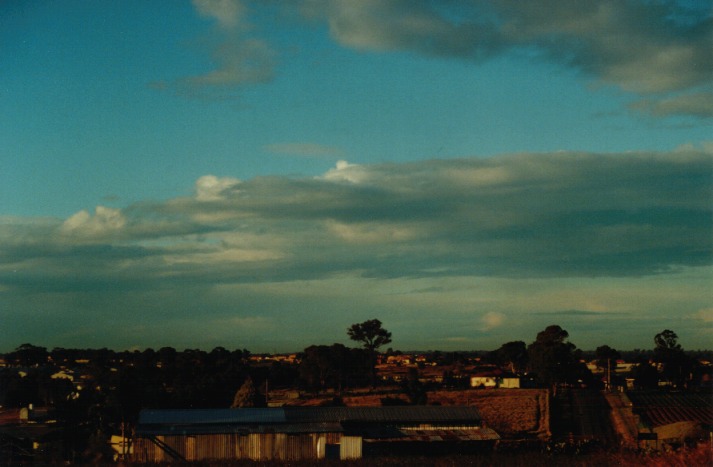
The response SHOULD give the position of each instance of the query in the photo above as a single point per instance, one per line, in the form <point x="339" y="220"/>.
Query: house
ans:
<point x="509" y="382"/>
<point x="483" y="380"/>
<point x="486" y="377"/>
<point x="306" y="433"/>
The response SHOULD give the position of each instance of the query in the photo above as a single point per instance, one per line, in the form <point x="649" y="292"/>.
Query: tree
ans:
<point x="606" y="355"/>
<point x="676" y="366"/>
<point x="370" y="334"/>
<point x="335" y="366"/>
<point x="645" y="375"/>
<point x="552" y="358"/>
<point x="28" y="355"/>
<point x="513" y="354"/>
<point x="666" y="341"/>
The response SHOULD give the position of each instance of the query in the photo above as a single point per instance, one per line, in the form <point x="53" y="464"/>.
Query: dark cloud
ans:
<point x="643" y="47"/>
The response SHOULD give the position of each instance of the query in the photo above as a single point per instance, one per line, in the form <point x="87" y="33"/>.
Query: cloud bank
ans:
<point x="415" y="232"/>
<point x="523" y="215"/>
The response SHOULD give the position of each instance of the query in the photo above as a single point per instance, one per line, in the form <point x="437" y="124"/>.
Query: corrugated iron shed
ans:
<point x="293" y="433"/>
<point x="296" y="419"/>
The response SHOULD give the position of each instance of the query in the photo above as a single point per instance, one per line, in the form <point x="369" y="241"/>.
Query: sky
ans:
<point x="263" y="174"/>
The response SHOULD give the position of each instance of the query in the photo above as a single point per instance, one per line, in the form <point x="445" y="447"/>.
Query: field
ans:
<point x="513" y="413"/>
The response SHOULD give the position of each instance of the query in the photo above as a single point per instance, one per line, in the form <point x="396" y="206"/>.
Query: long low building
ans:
<point x="306" y="433"/>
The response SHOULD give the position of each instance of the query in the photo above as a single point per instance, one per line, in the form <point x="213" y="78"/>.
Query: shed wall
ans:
<point x="253" y="446"/>
<point x="350" y="448"/>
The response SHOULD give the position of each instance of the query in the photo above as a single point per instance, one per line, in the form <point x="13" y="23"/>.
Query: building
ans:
<point x="307" y="433"/>
<point x="671" y="419"/>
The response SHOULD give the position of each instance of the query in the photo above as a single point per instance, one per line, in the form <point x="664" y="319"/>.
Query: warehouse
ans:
<point x="305" y="433"/>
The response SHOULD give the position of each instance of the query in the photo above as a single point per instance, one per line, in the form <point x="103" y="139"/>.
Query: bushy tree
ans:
<point x="335" y="366"/>
<point x="606" y="356"/>
<point x="28" y="355"/>
<point x="513" y="355"/>
<point x="370" y="333"/>
<point x="372" y="336"/>
<point x="553" y="359"/>
<point x="676" y="366"/>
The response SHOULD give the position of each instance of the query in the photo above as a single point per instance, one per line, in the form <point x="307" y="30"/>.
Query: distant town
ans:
<point x="370" y="402"/>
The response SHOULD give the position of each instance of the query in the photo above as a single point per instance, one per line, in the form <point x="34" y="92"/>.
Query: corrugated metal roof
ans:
<point x="212" y="416"/>
<point x="297" y="419"/>
<point x="406" y="414"/>
<point x="243" y="429"/>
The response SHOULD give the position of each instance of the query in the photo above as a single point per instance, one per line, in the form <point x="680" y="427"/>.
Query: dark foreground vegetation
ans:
<point x="81" y="397"/>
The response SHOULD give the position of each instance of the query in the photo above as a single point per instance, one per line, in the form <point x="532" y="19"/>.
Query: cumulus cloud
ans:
<point x="104" y="221"/>
<point x="212" y="188"/>
<point x="346" y="172"/>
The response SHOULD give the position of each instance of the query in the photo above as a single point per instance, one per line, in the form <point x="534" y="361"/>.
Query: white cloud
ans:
<point x="492" y="320"/>
<point x="212" y="188"/>
<point x="105" y="221"/>
<point x="346" y="172"/>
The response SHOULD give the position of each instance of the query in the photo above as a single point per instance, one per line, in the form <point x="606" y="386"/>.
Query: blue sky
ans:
<point x="264" y="174"/>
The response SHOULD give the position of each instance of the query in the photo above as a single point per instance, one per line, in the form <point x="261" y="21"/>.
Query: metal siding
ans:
<point x="321" y="446"/>
<point x="350" y="448"/>
<point x="190" y="448"/>
<point x="254" y="446"/>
